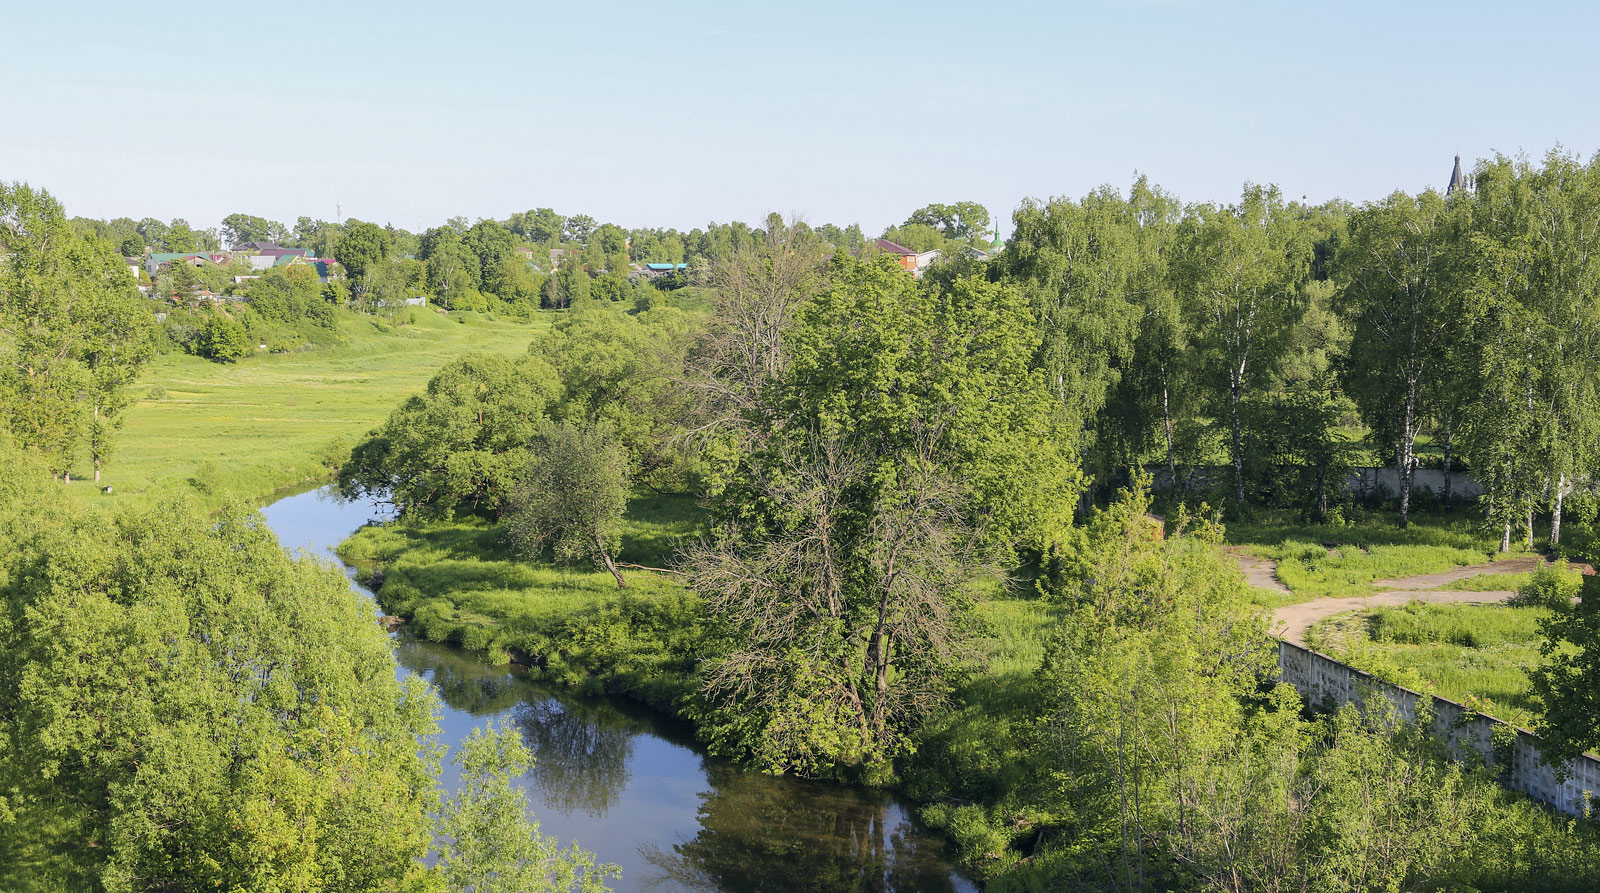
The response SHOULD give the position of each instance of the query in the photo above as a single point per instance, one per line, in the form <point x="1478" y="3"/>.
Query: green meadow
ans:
<point x="276" y="421"/>
<point x="1475" y="654"/>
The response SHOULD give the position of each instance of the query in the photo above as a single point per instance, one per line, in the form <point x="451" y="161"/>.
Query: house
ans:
<point x="134" y="263"/>
<point x="257" y="246"/>
<point x="159" y="259"/>
<point x="913" y="262"/>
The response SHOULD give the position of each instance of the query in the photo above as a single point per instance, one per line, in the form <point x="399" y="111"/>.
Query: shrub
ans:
<point x="1553" y="586"/>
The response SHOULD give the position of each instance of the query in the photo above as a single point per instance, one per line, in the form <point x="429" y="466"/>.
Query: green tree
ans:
<point x="571" y="498"/>
<point x="461" y="443"/>
<point x="492" y="845"/>
<point x="274" y="738"/>
<point x="1241" y="270"/>
<point x="900" y="443"/>
<point x="362" y="248"/>
<point x="240" y="228"/>
<point x="1397" y="294"/>
<point x="222" y="338"/>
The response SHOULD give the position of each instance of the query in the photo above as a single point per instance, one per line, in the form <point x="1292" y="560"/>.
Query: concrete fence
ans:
<point x="1363" y="483"/>
<point x="1326" y="682"/>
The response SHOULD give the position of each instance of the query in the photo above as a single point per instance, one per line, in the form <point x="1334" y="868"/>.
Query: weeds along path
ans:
<point x="1291" y="622"/>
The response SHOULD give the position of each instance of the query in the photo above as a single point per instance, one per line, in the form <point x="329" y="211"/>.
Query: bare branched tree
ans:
<point x="758" y="291"/>
<point x="850" y="617"/>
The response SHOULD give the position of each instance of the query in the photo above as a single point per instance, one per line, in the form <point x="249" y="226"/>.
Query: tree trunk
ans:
<point x="1408" y="439"/>
<point x="1529" y="524"/>
<point x="1555" y="510"/>
<point x="1505" y="538"/>
<point x="1166" y="421"/>
<point x="1449" y="442"/>
<point x="611" y="565"/>
<point x="1238" y="446"/>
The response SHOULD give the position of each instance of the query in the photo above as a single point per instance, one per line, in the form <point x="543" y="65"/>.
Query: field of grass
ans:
<point x="459" y="582"/>
<point x="1340" y="561"/>
<point x="1478" y="655"/>
<point x="272" y="422"/>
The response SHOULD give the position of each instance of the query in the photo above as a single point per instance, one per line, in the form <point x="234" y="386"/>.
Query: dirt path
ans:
<point x="1261" y="573"/>
<point x="1291" y="622"/>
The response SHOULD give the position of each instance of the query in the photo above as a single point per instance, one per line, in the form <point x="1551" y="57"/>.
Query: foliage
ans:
<point x="183" y="686"/>
<point x="460" y="444"/>
<point x="1554" y="586"/>
<point x="1565" y="681"/>
<point x="73" y="332"/>
<point x="571" y="498"/>
<point x="492" y="845"/>
<point x="222" y="338"/>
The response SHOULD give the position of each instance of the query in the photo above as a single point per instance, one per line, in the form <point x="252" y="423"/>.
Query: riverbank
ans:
<point x="628" y="781"/>
<point x="274" y="423"/>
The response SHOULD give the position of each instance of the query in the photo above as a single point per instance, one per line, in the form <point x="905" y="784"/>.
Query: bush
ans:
<point x="1553" y="586"/>
<point x="222" y="338"/>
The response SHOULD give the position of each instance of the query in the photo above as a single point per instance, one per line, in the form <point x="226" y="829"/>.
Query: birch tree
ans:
<point x="1240" y="270"/>
<point x="1396" y="295"/>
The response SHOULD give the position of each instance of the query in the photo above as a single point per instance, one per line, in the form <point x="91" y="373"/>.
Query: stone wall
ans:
<point x="1363" y="482"/>
<point x="1326" y="682"/>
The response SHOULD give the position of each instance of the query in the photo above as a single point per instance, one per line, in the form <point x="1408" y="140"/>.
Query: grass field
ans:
<point x="272" y="422"/>
<point x="1478" y="655"/>
<point x="1339" y="561"/>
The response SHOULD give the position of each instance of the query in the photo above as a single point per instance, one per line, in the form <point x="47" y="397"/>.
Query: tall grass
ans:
<point x="1478" y="655"/>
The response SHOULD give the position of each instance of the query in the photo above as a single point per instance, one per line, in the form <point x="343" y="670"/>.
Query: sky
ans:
<point x="676" y="115"/>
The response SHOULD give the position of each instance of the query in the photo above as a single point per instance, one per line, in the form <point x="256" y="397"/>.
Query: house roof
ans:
<point x="889" y="247"/>
<point x="667" y="267"/>
<point x="284" y="252"/>
<point x="257" y="246"/>
<point x="167" y="257"/>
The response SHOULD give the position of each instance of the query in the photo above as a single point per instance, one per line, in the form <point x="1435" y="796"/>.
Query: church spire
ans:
<point x="1457" y="180"/>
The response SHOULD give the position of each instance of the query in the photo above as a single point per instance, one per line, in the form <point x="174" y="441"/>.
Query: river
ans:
<point x="632" y="785"/>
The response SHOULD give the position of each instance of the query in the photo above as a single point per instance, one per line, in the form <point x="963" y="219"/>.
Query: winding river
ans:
<point x="631" y="784"/>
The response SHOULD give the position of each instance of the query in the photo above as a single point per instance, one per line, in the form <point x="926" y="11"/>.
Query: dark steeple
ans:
<point x="1457" y="180"/>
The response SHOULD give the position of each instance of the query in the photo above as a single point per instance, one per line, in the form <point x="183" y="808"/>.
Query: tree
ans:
<point x="571" y="497"/>
<point x="222" y="338"/>
<point x="1074" y="260"/>
<point x="120" y="340"/>
<point x="540" y="225"/>
<point x="1397" y="295"/>
<point x="899" y="444"/>
<point x="963" y="221"/>
<point x="240" y="228"/>
<point x="491" y="244"/>
<point x="461" y="444"/>
<point x="361" y="248"/>
<point x="275" y="739"/>
<point x="577" y="228"/>
<point x="71" y="326"/>
<point x="492" y="845"/>
<point x="1241" y="269"/>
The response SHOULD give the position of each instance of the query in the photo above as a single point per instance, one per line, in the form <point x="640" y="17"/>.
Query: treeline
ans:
<point x="1287" y="341"/>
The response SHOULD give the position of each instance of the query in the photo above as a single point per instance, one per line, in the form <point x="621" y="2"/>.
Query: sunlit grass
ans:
<point x="1344" y="561"/>
<point x="1478" y="655"/>
<point x="271" y="422"/>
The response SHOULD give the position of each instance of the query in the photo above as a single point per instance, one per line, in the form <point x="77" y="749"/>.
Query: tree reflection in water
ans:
<point x="763" y="833"/>
<point x="580" y="752"/>
<point x="464" y="682"/>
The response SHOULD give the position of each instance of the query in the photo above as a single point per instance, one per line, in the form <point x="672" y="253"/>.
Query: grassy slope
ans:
<point x="1478" y="655"/>
<point x="272" y="422"/>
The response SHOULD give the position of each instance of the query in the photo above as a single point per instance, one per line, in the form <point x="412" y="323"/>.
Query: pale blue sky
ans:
<point x="650" y="114"/>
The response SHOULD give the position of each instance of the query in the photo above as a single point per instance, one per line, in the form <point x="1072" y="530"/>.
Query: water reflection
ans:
<point x="581" y="754"/>
<point x="761" y="833"/>
<point x="629" y="784"/>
